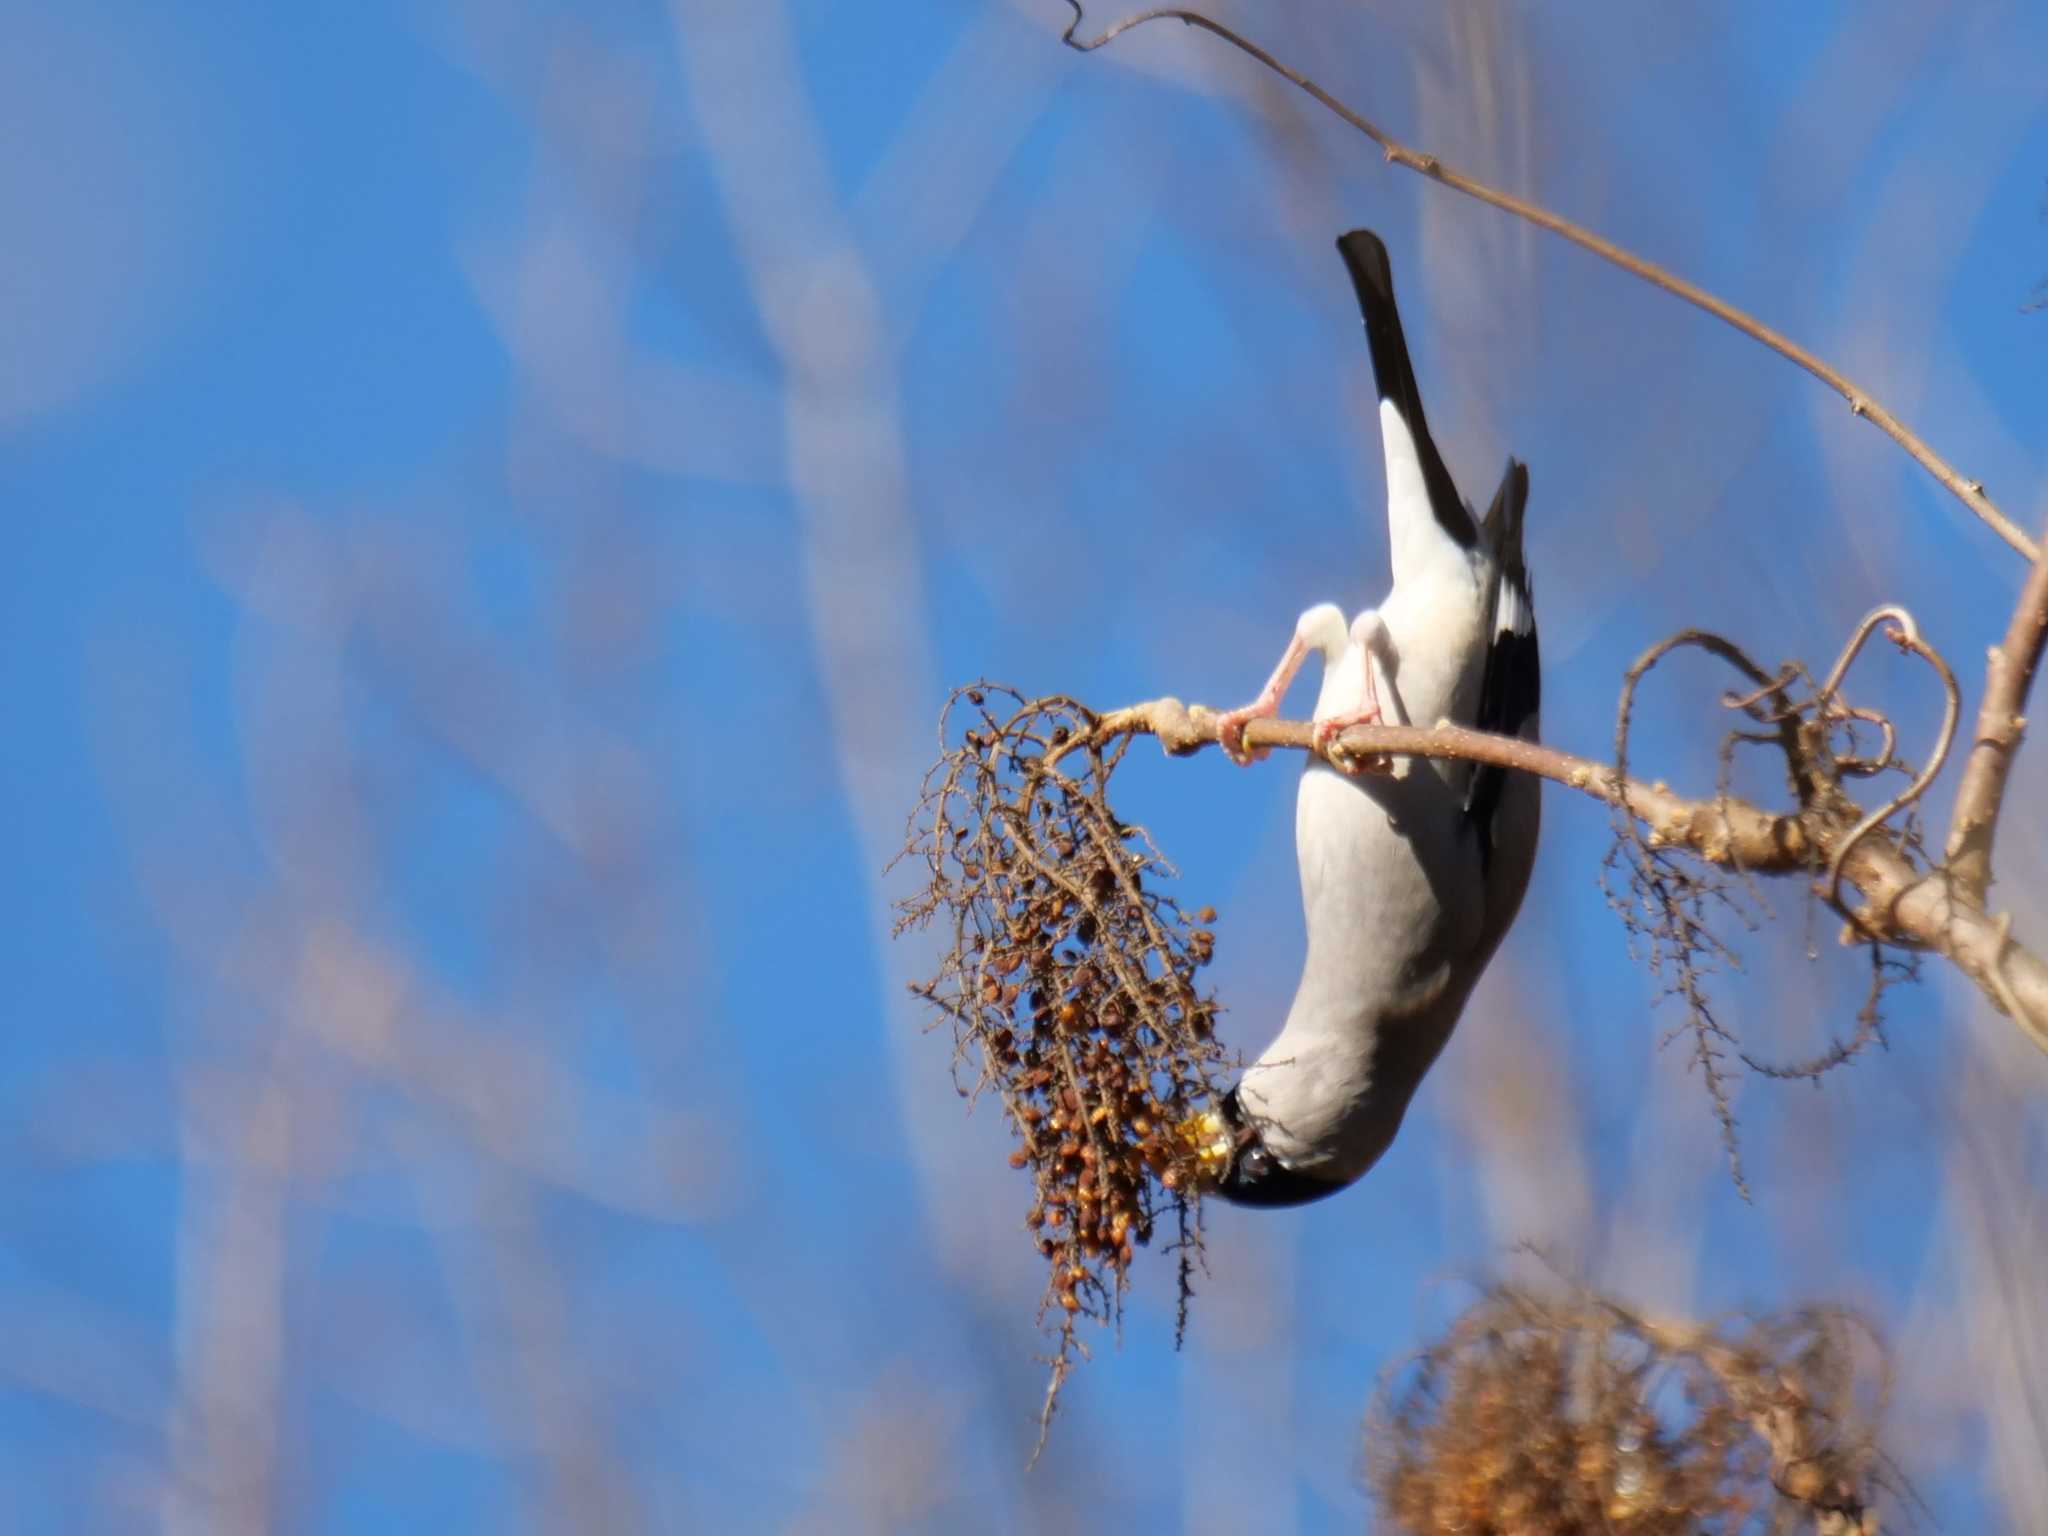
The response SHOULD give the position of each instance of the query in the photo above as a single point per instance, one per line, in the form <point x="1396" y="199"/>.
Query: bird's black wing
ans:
<point x="1373" y="277"/>
<point x="1511" y="691"/>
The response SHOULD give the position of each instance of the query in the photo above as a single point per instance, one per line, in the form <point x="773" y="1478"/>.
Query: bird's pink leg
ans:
<point x="1231" y="723"/>
<point x="1367" y="633"/>
<point x="1320" y="629"/>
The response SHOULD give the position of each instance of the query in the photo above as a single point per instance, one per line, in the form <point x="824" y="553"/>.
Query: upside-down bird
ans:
<point x="1410" y="871"/>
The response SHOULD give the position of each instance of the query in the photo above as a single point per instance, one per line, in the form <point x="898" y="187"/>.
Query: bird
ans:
<point x="1411" y="870"/>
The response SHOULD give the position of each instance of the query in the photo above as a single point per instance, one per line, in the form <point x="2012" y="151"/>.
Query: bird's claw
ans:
<point x="1328" y="733"/>
<point x="1230" y="734"/>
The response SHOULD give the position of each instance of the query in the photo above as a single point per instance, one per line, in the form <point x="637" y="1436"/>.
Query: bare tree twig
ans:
<point x="1669" y="905"/>
<point x="1969" y="492"/>
<point x="1761" y="840"/>
<point x="2008" y="677"/>
<point x="1905" y="634"/>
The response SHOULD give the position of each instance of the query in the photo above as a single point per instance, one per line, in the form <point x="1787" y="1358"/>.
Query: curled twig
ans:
<point x="1888" y="968"/>
<point x="1672" y="898"/>
<point x="1905" y="634"/>
<point x="1858" y="638"/>
<point x="1675" y="892"/>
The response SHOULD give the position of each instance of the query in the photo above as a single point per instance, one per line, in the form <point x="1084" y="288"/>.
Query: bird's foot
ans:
<point x="1320" y="629"/>
<point x="1230" y="726"/>
<point x="1327" y="731"/>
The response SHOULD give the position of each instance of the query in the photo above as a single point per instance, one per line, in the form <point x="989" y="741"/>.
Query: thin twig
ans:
<point x="2008" y="677"/>
<point x="1858" y="638"/>
<point x="1906" y="635"/>
<point x="1969" y="492"/>
<point x="1669" y="904"/>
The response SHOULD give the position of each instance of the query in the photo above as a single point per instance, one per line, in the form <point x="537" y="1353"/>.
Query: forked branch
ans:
<point x="2008" y="678"/>
<point x="1861" y="403"/>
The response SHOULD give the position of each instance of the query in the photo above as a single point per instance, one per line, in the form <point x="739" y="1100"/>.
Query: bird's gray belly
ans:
<point x="1393" y="900"/>
<point x="1388" y="879"/>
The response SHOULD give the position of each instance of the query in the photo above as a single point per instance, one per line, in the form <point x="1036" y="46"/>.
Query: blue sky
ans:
<point x="498" y="491"/>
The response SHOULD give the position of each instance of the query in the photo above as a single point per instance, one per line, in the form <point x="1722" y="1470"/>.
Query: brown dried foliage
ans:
<point x="1540" y="1415"/>
<point x="1069" y="979"/>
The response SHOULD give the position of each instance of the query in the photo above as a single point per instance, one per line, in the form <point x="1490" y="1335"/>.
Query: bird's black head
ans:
<point x="1254" y="1174"/>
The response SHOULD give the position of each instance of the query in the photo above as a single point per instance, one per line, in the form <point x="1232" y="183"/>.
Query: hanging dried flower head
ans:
<point x="1068" y="976"/>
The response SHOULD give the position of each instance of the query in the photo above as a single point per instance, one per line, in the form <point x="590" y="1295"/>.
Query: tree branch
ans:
<point x="1901" y="904"/>
<point x="1969" y="492"/>
<point x="1717" y="831"/>
<point x="2008" y="677"/>
<point x="1909" y="907"/>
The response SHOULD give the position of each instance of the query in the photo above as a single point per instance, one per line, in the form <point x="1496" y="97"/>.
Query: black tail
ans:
<point x="1372" y="275"/>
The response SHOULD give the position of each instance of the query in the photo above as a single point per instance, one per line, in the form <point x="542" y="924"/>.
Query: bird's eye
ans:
<point x="1256" y="1163"/>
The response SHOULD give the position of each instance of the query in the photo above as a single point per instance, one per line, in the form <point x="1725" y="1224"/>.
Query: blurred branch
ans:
<point x="1969" y="492"/>
<point x="2008" y="676"/>
<point x="1902" y="904"/>
<point x="1539" y="1411"/>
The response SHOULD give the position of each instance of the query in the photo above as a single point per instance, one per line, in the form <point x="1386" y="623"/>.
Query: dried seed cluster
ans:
<point x="1539" y="1417"/>
<point x="1069" y="979"/>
